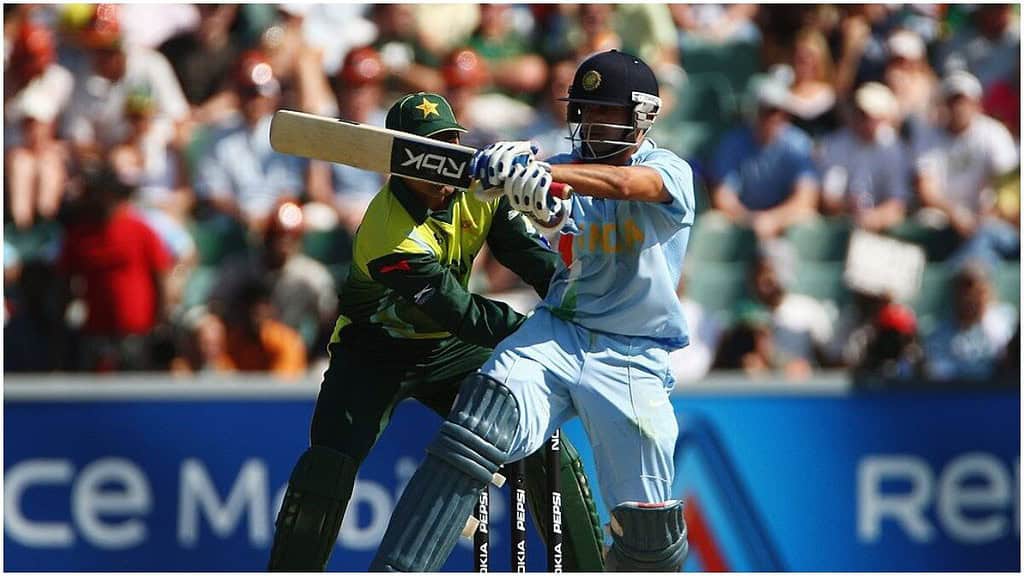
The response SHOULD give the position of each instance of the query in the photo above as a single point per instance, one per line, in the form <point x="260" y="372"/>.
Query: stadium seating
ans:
<point x="821" y="239"/>
<point x="822" y="280"/>
<point x="934" y="299"/>
<point x="718" y="286"/>
<point x="217" y="238"/>
<point x="737" y="61"/>
<point x="40" y="242"/>
<point x="704" y="109"/>
<point x="1006" y="281"/>
<point x="938" y="243"/>
<point x="332" y="248"/>
<point x="716" y="239"/>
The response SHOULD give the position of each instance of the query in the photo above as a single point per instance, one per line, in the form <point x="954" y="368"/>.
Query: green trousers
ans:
<point x="370" y="374"/>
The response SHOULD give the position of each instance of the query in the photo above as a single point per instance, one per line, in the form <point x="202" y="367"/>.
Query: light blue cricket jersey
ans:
<point x="624" y="258"/>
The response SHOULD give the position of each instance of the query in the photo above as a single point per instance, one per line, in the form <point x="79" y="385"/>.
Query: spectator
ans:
<point x="548" y="127"/>
<point x="512" y="68"/>
<point x="36" y="90"/>
<point x="866" y="169"/>
<point x="892" y="350"/>
<point x="36" y="336"/>
<point x="748" y="345"/>
<point x="812" y="98"/>
<point x="716" y="23"/>
<point x="205" y="349"/>
<point x="465" y="74"/>
<point x="358" y="90"/>
<point x="95" y="119"/>
<point x="957" y="165"/>
<point x="648" y="31"/>
<point x="301" y="289"/>
<point x="411" y="67"/>
<point x="911" y="80"/>
<point x="763" y="174"/>
<point x="154" y="166"/>
<point x="800" y="326"/>
<point x="989" y="48"/>
<point x="1002" y="102"/>
<point x="241" y="175"/>
<point x="297" y="65"/>
<point x="691" y="364"/>
<point x="862" y="54"/>
<point x="150" y="25"/>
<point x="257" y="341"/>
<point x="970" y="344"/>
<point x="203" y="58"/>
<point x="594" y="32"/>
<point x="120" y="265"/>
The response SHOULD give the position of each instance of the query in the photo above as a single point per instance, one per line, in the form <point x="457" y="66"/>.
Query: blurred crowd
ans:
<point x="148" y="225"/>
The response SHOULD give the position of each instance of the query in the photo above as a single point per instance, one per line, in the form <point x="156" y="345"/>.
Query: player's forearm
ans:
<point x="613" y="182"/>
<point x="436" y="292"/>
<point x="519" y="251"/>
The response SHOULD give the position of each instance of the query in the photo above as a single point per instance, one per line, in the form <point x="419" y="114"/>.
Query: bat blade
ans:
<point x="370" y="148"/>
<point x="377" y="149"/>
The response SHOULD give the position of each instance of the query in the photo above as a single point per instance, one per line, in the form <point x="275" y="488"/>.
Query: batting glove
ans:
<point x="492" y="165"/>
<point x="527" y="190"/>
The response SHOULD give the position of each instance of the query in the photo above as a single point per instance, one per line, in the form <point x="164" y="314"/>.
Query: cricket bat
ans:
<point x="377" y="149"/>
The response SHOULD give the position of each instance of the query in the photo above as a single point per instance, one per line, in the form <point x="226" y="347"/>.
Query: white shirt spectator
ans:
<point x="149" y="25"/>
<point x="240" y="164"/>
<point x="964" y="165"/>
<point x="43" y="99"/>
<point x="799" y="325"/>
<point x="96" y="112"/>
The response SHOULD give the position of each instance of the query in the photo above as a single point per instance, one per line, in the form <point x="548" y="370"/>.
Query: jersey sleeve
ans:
<point x="520" y="249"/>
<point x="420" y="279"/>
<point x="677" y="180"/>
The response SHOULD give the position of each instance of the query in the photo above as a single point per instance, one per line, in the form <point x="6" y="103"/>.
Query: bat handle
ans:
<point x="560" y="190"/>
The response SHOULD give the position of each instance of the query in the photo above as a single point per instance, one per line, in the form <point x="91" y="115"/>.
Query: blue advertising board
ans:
<point x="902" y="482"/>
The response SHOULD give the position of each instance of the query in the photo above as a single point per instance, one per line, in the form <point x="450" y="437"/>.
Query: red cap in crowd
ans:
<point x="362" y="66"/>
<point x="464" y="68"/>
<point x="103" y="30"/>
<point x="33" y="50"/>
<point x="897" y="319"/>
<point x="255" y="75"/>
<point x="287" y="220"/>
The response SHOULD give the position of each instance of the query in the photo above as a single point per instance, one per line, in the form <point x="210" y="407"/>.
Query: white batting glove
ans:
<point x="527" y="190"/>
<point x="492" y="165"/>
<point x="559" y="216"/>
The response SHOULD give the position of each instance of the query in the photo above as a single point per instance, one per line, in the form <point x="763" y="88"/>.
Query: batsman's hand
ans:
<point x="528" y="191"/>
<point x="492" y="165"/>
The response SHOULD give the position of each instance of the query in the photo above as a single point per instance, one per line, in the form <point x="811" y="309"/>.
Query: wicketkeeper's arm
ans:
<point x="521" y="250"/>
<point x="420" y="279"/>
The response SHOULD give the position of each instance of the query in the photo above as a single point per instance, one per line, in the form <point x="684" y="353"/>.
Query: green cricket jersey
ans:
<point x="411" y="267"/>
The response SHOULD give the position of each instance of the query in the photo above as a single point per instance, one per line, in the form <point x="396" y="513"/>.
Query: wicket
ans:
<point x="516" y="479"/>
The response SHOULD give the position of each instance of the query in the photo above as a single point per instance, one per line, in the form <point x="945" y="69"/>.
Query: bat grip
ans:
<point x="560" y="190"/>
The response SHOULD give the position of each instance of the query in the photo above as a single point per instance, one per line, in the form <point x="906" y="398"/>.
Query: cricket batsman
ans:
<point x="597" y="347"/>
<point x="409" y="328"/>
